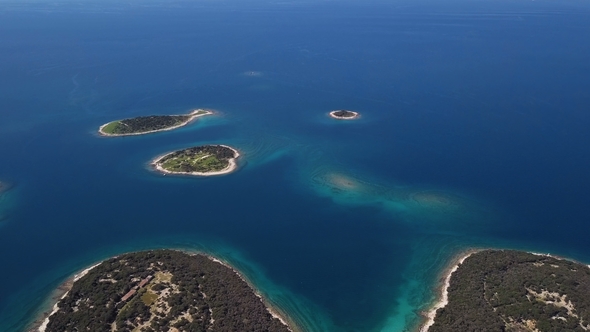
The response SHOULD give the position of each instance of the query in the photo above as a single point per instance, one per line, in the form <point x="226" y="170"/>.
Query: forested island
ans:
<point x="149" y="124"/>
<point x="506" y="290"/>
<point x="344" y="115"/>
<point x="202" y="160"/>
<point x="161" y="290"/>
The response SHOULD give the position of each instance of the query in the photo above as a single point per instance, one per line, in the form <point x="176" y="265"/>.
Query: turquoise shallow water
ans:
<point x="473" y="133"/>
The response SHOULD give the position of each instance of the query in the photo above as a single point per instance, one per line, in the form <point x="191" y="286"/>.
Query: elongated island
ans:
<point x="162" y="290"/>
<point x="508" y="290"/>
<point x="149" y="124"/>
<point x="205" y="160"/>
<point x="344" y="115"/>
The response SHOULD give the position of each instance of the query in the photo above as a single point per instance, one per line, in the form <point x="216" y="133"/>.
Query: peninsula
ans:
<point x="203" y="160"/>
<point x="507" y="290"/>
<point x="344" y="115"/>
<point x="149" y="124"/>
<point x="161" y="290"/>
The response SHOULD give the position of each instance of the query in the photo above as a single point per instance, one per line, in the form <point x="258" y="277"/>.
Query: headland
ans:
<point x="149" y="124"/>
<point x="443" y="298"/>
<point x="161" y="290"/>
<point x="344" y="115"/>
<point x="205" y="160"/>
<point x="508" y="290"/>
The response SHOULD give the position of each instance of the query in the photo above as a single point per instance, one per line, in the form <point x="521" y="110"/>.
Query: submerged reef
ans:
<point x="409" y="203"/>
<point x="4" y="201"/>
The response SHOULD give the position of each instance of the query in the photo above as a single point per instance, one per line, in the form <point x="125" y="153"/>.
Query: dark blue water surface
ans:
<point x="474" y="132"/>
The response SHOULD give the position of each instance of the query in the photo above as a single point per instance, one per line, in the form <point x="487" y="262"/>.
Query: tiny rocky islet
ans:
<point x="344" y="115"/>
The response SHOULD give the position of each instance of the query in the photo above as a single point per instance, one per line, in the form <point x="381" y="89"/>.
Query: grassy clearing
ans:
<point x="200" y="162"/>
<point x="149" y="298"/>
<point x="112" y="127"/>
<point x="163" y="276"/>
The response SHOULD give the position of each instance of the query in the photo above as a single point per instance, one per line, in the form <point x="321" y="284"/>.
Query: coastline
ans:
<point x="443" y="297"/>
<point x="193" y="114"/>
<point x="40" y="323"/>
<point x="272" y="309"/>
<point x="233" y="165"/>
<point x="354" y="117"/>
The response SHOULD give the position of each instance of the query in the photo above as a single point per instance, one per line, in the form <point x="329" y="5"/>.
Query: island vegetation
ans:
<point x="162" y="290"/>
<point x="505" y="290"/>
<point x="344" y="115"/>
<point x="199" y="160"/>
<point x="149" y="124"/>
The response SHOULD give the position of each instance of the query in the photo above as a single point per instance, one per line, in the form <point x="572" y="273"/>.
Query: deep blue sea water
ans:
<point x="474" y="133"/>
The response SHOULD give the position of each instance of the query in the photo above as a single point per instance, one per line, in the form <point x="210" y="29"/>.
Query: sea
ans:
<point x="474" y="133"/>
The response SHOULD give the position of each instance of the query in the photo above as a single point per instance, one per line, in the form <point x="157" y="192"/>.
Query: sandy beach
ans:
<point x="193" y="114"/>
<point x="334" y="116"/>
<point x="230" y="168"/>
<point x="444" y="295"/>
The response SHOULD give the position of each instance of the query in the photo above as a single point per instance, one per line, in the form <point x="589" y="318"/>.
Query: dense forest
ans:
<point x="206" y="158"/>
<point x="516" y="291"/>
<point x="145" y="123"/>
<point x="170" y="291"/>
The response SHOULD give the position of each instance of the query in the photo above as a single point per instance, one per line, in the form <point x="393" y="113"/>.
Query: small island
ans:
<point x="507" y="290"/>
<point x="149" y="124"/>
<point x="203" y="160"/>
<point x="344" y="115"/>
<point x="161" y="290"/>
